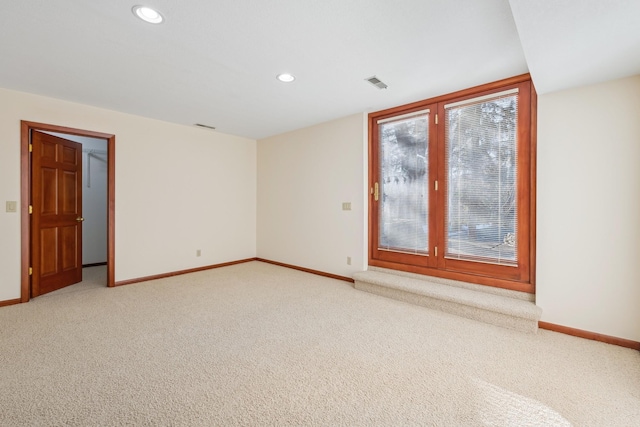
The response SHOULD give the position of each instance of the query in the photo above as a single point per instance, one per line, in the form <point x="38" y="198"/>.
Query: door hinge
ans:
<point x="30" y="271"/>
<point x="435" y="185"/>
<point x="30" y="209"/>
<point x="376" y="192"/>
<point x="30" y="148"/>
<point x="435" y="251"/>
<point x="436" y="118"/>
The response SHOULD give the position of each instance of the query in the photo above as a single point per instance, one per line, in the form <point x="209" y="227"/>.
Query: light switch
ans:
<point x="12" y="206"/>
<point x="346" y="206"/>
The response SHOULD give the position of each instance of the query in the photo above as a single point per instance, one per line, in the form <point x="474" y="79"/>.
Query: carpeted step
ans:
<point x="490" y="308"/>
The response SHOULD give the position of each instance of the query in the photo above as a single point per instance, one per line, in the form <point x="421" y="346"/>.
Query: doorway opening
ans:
<point x="27" y="187"/>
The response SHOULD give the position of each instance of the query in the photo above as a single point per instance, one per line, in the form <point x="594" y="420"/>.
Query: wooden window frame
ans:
<point x="520" y="278"/>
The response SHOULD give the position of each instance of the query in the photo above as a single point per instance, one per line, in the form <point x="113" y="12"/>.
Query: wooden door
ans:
<point x="56" y="221"/>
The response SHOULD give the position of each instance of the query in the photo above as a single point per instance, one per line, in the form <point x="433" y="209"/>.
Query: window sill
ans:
<point x="462" y="277"/>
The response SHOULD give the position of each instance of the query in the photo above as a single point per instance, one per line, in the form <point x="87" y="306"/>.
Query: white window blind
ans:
<point x="403" y="205"/>
<point x="481" y="155"/>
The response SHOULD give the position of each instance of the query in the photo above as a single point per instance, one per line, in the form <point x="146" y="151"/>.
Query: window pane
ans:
<point x="403" y="176"/>
<point x="481" y="214"/>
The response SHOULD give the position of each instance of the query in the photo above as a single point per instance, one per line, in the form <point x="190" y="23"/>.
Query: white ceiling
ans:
<point x="214" y="62"/>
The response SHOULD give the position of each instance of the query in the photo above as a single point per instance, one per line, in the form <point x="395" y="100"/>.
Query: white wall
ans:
<point x="181" y="188"/>
<point x="589" y="208"/>
<point x="94" y="201"/>
<point x="588" y="236"/>
<point x="178" y="189"/>
<point x="304" y="176"/>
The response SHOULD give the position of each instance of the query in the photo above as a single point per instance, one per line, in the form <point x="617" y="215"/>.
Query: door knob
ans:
<point x="79" y="219"/>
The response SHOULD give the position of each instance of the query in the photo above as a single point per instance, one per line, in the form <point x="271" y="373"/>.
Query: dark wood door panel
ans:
<point x="48" y="152"/>
<point x="48" y="251"/>
<point x="57" y="211"/>
<point x="49" y="191"/>
<point x="69" y="156"/>
<point x="69" y="193"/>
<point x="68" y="239"/>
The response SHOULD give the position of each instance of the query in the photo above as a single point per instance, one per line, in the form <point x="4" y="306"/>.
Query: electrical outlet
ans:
<point x="198" y="252"/>
<point x="346" y="206"/>
<point x="348" y="260"/>
<point x="12" y="206"/>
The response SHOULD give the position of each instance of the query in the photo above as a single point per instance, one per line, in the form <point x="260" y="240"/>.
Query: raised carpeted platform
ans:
<point x="508" y="309"/>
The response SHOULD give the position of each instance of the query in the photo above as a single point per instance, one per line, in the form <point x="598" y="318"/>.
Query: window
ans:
<point x="453" y="185"/>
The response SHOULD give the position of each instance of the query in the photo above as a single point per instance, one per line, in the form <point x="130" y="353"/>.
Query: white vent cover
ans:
<point x="376" y="82"/>
<point x="204" y="126"/>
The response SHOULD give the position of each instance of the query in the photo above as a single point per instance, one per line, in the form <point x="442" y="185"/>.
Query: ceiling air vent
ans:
<point x="376" y="82"/>
<point x="205" y="126"/>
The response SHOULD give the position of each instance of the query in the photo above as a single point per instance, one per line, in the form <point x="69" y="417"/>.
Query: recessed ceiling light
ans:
<point x="286" y="77"/>
<point x="147" y="14"/>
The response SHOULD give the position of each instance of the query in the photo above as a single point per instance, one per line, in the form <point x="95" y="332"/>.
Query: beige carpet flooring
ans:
<point x="260" y="345"/>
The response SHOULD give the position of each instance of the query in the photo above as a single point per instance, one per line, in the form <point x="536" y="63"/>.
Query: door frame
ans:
<point x="25" y="198"/>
